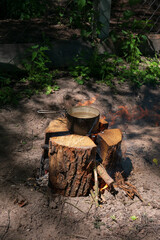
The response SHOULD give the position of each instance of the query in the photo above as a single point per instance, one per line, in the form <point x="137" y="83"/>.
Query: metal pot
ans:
<point x="83" y="120"/>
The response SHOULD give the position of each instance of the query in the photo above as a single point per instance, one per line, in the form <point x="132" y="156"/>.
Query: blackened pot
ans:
<point x="83" y="120"/>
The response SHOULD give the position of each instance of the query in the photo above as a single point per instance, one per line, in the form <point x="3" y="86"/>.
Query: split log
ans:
<point x="109" y="146"/>
<point x="57" y="127"/>
<point x="69" y="160"/>
<point x="103" y="124"/>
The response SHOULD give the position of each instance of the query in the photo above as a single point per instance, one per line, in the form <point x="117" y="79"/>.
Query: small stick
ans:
<point x="75" y="207"/>
<point x="96" y="184"/>
<point x="92" y="195"/>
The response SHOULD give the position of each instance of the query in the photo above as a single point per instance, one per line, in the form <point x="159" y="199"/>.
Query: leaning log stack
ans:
<point x="72" y="157"/>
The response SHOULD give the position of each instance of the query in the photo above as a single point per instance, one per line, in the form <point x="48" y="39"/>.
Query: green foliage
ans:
<point x="130" y="48"/>
<point x="128" y="14"/>
<point x="27" y="9"/>
<point x="106" y="68"/>
<point x="80" y="14"/>
<point x="36" y="66"/>
<point x="37" y="77"/>
<point x="7" y="93"/>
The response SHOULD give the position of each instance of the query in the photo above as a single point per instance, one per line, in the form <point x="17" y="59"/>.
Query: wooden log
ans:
<point x="57" y="127"/>
<point x="103" y="124"/>
<point x="69" y="160"/>
<point x="109" y="146"/>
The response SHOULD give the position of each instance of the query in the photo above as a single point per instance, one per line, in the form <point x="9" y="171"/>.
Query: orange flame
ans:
<point x="103" y="188"/>
<point x="136" y="113"/>
<point x="86" y="103"/>
<point x="103" y="117"/>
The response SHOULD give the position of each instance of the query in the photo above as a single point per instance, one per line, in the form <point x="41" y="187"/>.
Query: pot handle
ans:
<point x="63" y="112"/>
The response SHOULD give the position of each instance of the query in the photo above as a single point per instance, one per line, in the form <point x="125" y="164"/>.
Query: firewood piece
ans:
<point x="104" y="175"/>
<point x="109" y="143"/>
<point x="57" y="127"/>
<point x="103" y="124"/>
<point x="69" y="157"/>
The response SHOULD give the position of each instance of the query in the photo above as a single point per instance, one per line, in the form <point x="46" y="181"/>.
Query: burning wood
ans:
<point x="103" y="124"/>
<point x="72" y="158"/>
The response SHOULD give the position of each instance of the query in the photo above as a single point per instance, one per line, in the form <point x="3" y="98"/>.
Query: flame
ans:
<point x="103" y="188"/>
<point x="103" y="117"/>
<point x="88" y="102"/>
<point x="136" y="113"/>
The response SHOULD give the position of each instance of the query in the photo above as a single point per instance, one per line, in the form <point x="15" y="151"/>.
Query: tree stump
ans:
<point x="109" y="146"/>
<point x="70" y="158"/>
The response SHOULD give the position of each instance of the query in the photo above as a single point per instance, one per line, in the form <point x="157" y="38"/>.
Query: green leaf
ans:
<point x="134" y="218"/>
<point x="80" y="81"/>
<point x="48" y="90"/>
<point x="113" y="218"/>
<point x="56" y="88"/>
<point x="155" y="160"/>
<point x="35" y="46"/>
<point x="128" y="14"/>
<point x="34" y="55"/>
<point x="81" y="3"/>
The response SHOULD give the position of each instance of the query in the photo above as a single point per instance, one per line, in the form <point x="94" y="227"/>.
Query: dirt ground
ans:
<point x="29" y="211"/>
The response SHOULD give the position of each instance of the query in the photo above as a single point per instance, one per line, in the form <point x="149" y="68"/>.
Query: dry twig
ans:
<point x="96" y="184"/>
<point x="126" y="186"/>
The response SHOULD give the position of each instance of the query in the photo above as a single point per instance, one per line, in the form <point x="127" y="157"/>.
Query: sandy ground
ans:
<point x="29" y="211"/>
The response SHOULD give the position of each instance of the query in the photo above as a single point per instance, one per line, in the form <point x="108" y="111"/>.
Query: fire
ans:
<point x="103" y="117"/>
<point x="136" y="113"/>
<point x="103" y="188"/>
<point x="88" y="102"/>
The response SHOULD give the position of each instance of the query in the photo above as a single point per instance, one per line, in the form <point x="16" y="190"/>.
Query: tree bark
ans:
<point x="70" y="158"/>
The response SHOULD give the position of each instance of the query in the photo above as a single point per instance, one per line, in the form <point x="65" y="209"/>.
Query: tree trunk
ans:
<point x="70" y="158"/>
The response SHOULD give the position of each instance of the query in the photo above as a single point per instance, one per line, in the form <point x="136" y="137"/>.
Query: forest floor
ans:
<point x="29" y="211"/>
